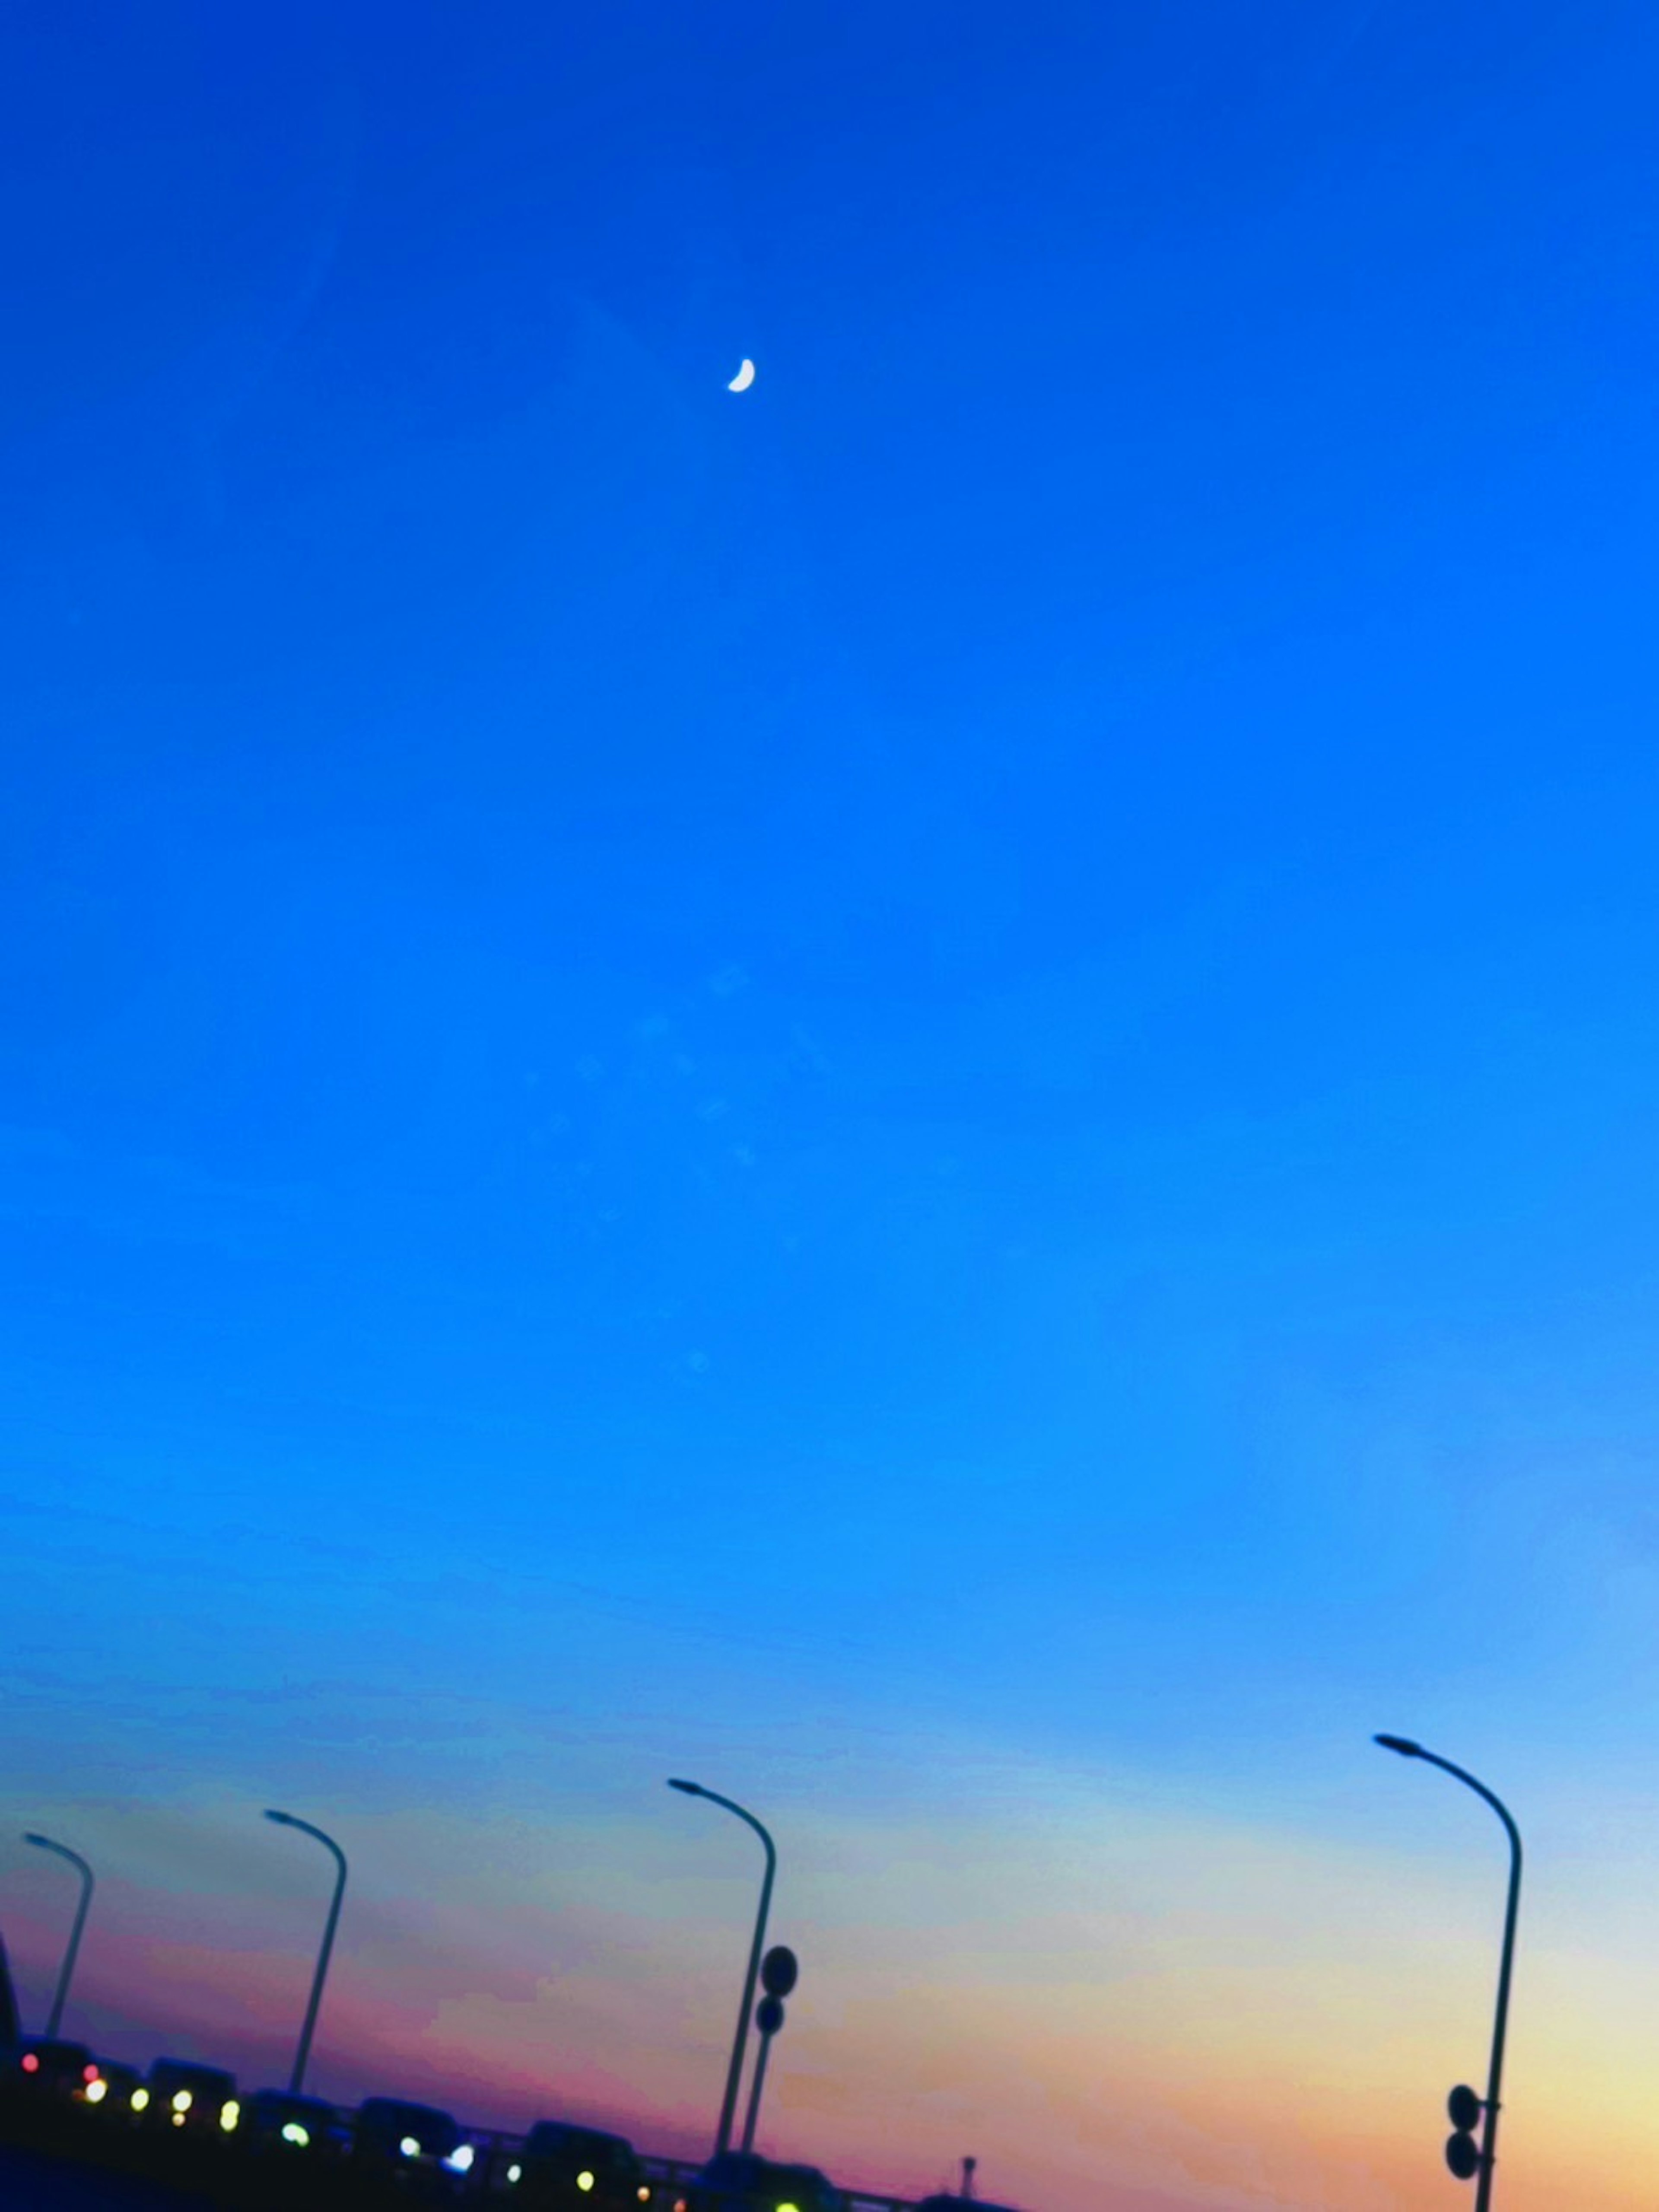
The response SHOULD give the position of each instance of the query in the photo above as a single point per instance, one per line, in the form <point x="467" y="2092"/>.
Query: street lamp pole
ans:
<point x="62" y="1851"/>
<point x="734" y="2072"/>
<point x="290" y="1821"/>
<point x="1407" y="1749"/>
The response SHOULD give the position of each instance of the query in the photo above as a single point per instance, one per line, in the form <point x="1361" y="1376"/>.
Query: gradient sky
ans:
<point x="932" y="1093"/>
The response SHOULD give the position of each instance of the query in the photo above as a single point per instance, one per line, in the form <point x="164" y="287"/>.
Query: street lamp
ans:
<point x="734" y="2072"/>
<point x="62" y="1851"/>
<point x="1488" y="2157"/>
<point x="290" y="1821"/>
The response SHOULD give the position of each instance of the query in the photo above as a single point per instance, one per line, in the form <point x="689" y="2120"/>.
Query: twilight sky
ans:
<point x="931" y="1093"/>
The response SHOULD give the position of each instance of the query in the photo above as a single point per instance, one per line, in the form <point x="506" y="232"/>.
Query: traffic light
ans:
<point x="1463" y="2109"/>
<point x="779" y="1970"/>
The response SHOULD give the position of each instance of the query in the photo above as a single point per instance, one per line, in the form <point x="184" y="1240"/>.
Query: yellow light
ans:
<point x="97" y="2091"/>
<point x="644" y="2194"/>
<point x="294" y="2133"/>
<point x="177" y="2120"/>
<point x="584" y="2181"/>
<point x="788" y="2208"/>
<point x="229" y="2112"/>
<point x="140" y="2098"/>
<point x="514" y="2172"/>
<point x="410" y="2148"/>
<point x="182" y="2101"/>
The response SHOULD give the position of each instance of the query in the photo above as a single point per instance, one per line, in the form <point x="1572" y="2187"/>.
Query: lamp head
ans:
<point x="41" y="1842"/>
<point x="283" y="1820"/>
<point x="1402" y="1744"/>
<point x="692" y="1789"/>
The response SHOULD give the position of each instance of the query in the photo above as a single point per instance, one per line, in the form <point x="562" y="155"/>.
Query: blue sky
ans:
<point x="957" y="1054"/>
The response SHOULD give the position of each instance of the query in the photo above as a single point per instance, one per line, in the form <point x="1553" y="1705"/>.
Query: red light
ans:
<point x="88" y="2073"/>
<point x="31" y="2063"/>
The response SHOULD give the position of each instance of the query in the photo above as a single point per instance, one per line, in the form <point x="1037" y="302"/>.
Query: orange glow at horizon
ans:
<point x="1123" y="2008"/>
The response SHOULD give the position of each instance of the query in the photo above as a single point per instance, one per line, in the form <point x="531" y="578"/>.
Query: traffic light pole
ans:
<point x="1500" y="2023"/>
<point x="757" y="2081"/>
<point x="778" y="1971"/>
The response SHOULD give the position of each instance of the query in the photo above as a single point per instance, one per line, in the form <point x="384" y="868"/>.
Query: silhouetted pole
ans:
<point x="10" y="2029"/>
<point x="757" y="2083"/>
<point x="290" y="1820"/>
<point x="734" y="2072"/>
<point x="62" y="1851"/>
<point x="1407" y="1749"/>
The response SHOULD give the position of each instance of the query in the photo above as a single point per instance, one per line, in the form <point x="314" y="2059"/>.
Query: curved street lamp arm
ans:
<point x="732" y="1806"/>
<point x="293" y="1820"/>
<point x="62" y="1851"/>
<point x="1481" y="1790"/>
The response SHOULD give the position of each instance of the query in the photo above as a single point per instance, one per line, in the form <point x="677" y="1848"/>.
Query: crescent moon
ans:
<point x="744" y="378"/>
